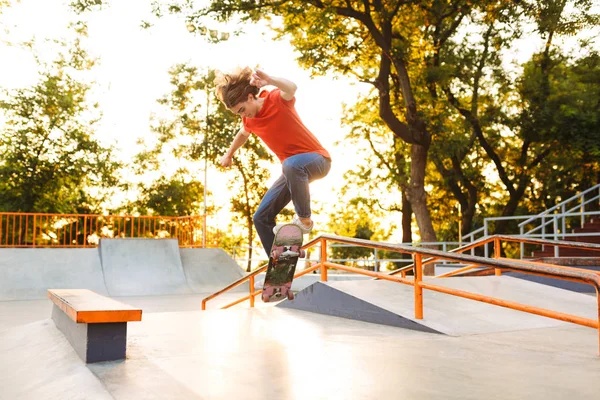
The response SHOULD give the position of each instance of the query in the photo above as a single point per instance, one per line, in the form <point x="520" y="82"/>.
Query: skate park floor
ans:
<point x="276" y="353"/>
<point x="178" y="351"/>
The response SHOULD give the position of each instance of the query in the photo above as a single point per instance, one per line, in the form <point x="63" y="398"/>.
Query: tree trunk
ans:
<point x="418" y="198"/>
<point x="511" y="206"/>
<point x="406" y="220"/>
<point x="406" y="224"/>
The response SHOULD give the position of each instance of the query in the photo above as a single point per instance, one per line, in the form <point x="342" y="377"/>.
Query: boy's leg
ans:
<point x="299" y="171"/>
<point x="276" y="198"/>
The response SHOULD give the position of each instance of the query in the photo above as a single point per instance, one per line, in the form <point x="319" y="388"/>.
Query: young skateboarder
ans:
<point x="271" y="116"/>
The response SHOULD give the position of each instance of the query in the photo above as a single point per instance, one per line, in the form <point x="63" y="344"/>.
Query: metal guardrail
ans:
<point x="498" y="264"/>
<point x="375" y="260"/>
<point x="559" y="221"/>
<point x="495" y="241"/>
<point x="85" y="230"/>
<point x="562" y="205"/>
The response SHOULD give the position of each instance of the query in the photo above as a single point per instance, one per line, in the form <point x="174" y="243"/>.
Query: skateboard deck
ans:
<point x="282" y="263"/>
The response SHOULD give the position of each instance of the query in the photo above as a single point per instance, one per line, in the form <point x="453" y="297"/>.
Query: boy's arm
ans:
<point x="238" y="141"/>
<point x="286" y="87"/>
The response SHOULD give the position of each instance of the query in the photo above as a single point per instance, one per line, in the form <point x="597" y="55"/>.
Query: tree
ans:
<point x="568" y="117"/>
<point x="49" y="158"/>
<point x="176" y="196"/>
<point x="392" y="170"/>
<point x="371" y="40"/>
<point x="475" y="85"/>
<point x="518" y="144"/>
<point x="357" y="218"/>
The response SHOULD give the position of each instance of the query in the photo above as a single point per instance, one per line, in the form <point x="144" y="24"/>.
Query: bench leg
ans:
<point x="93" y="342"/>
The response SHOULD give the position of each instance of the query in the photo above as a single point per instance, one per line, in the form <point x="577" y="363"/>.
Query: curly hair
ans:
<point x="233" y="88"/>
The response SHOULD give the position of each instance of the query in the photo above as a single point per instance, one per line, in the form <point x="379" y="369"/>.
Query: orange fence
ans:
<point x="497" y="264"/>
<point x="85" y="230"/>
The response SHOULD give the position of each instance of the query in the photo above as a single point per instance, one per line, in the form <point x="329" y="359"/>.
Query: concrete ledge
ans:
<point x="93" y="342"/>
<point x="96" y="326"/>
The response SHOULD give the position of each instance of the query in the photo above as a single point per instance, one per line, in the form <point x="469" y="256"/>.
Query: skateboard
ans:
<point x="282" y="264"/>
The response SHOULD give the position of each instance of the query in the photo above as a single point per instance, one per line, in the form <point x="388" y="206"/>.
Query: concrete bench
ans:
<point x="95" y="325"/>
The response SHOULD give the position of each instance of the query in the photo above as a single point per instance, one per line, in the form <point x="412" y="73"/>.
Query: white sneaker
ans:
<point x="296" y="221"/>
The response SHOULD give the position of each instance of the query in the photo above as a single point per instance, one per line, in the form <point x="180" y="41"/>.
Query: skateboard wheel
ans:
<point x="290" y="295"/>
<point x="302" y="254"/>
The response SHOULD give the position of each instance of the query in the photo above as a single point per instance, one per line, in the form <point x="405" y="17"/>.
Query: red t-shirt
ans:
<point x="279" y="126"/>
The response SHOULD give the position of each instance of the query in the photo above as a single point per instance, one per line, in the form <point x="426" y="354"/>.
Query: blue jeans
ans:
<point x="297" y="172"/>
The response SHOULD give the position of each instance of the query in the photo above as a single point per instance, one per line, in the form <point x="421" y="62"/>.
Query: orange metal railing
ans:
<point x="85" y="230"/>
<point x="497" y="241"/>
<point x="498" y="264"/>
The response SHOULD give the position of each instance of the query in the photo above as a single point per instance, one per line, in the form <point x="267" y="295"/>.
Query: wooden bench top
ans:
<point x="85" y="306"/>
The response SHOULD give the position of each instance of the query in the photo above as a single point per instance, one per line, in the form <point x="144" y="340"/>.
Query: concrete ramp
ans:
<point x="140" y="267"/>
<point x="391" y="303"/>
<point x="118" y="267"/>
<point x="209" y="270"/>
<point x="26" y="274"/>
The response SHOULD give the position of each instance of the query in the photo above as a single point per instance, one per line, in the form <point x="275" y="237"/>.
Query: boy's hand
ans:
<point x="226" y="161"/>
<point x="259" y="79"/>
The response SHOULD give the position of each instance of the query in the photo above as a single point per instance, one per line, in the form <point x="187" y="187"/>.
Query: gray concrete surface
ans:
<point x="392" y="304"/>
<point x="138" y="267"/>
<point x="180" y="352"/>
<point x="325" y="298"/>
<point x="209" y="270"/>
<point x="121" y="267"/>
<point x="274" y="353"/>
<point x="26" y="274"/>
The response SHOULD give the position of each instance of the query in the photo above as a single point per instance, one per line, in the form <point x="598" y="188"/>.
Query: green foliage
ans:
<point x="50" y="161"/>
<point x="358" y="218"/>
<point x="81" y="6"/>
<point x="175" y="196"/>
<point x="569" y="112"/>
<point x="568" y="117"/>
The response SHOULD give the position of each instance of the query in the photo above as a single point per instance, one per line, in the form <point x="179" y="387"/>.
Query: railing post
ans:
<point x="34" y="220"/>
<point x="556" y="248"/>
<point x="445" y="248"/>
<point x="323" y="260"/>
<point x="472" y="240"/>
<point x="418" y="288"/>
<point x="85" y="230"/>
<point x="485" y="234"/>
<point x="598" y="301"/>
<point x="564" y="223"/>
<point x="376" y="261"/>
<point x="252" y="291"/>
<point x="582" y="210"/>
<point x="522" y="245"/>
<point x="544" y="227"/>
<point x="497" y="255"/>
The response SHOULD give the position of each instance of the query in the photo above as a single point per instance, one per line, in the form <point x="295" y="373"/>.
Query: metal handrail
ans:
<point x="498" y="264"/>
<point x="562" y="203"/>
<point x="376" y="259"/>
<point x="523" y="239"/>
<point x="543" y="215"/>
